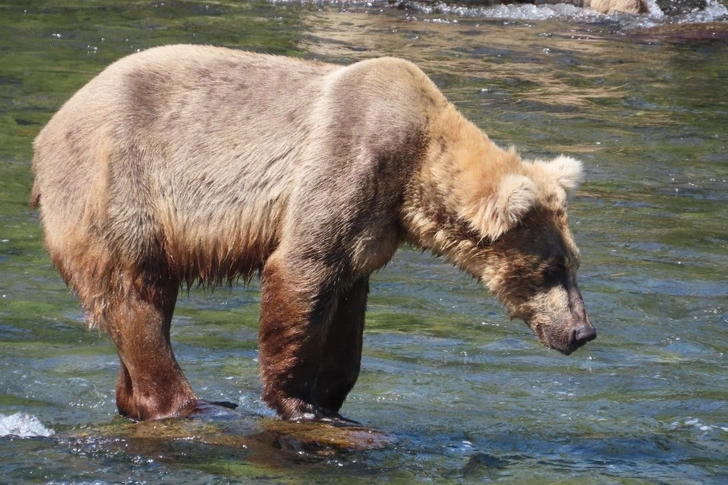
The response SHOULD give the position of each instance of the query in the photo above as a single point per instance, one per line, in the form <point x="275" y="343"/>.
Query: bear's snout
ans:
<point x="559" y="319"/>
<point x="561" y="338"/>
<point x="580" y="336"/>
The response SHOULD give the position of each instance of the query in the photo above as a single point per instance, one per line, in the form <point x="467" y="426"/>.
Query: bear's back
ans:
<point x="202" y="148"/>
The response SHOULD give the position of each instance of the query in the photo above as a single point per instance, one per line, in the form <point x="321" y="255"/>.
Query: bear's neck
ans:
<point x="461" y="169"/>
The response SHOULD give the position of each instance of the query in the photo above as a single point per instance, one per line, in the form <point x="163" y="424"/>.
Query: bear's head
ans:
<point x="531" y="260"/>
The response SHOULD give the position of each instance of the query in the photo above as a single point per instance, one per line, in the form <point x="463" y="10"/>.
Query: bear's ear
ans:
<point x="502" y="210"/>
<point x="567" y="171"/>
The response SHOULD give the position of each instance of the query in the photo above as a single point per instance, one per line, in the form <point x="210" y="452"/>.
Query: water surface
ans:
<point x="465" y="394"/>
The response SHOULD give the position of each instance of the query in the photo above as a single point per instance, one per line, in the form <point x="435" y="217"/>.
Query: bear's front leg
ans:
<point x="297" y="305"/>
<point x="341" y="355"/>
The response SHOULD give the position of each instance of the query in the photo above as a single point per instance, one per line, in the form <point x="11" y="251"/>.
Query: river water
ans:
<point x="459" y="393"/>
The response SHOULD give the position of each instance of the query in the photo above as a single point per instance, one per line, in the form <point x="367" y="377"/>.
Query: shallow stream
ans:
<point x="462" y="394"/>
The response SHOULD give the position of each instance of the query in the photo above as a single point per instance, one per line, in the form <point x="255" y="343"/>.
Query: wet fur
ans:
<point x="189" y="163"/>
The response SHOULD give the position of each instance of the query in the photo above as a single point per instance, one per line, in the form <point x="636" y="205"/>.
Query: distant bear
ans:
<point x="612" y="6"/>
<point x="189" y="163"/>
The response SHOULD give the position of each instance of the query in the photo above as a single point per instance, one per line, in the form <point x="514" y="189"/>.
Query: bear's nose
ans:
<point x="583" y="334"/>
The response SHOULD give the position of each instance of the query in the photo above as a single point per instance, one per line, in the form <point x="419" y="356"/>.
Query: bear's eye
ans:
<point x="554" y="271"/>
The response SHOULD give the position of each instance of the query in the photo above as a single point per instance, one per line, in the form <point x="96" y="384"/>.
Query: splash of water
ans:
<point x="714" y="11"/>
<point x="23" y="425"/>
<point x="511" y="11"/>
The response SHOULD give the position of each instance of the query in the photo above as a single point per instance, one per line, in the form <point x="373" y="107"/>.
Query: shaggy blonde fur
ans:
<point x="611" y="6"/>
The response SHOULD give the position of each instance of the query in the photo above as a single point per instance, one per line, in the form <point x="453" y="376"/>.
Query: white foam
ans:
<point x="690" y="422"/>
<point x="714" y="10"/>
<point x="523" y="11"/>
<point x="23" y="425"/>
<point x="654" y="10"/>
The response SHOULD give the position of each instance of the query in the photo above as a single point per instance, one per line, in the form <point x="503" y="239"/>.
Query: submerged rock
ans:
<point x="260" y="441"/>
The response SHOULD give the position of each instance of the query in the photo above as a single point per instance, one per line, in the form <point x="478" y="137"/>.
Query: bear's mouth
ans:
<point x="566" y="343"/>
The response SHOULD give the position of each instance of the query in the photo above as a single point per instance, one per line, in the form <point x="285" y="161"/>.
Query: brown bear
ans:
<point x="612" y="6"/>
<point x="190" y="163"/>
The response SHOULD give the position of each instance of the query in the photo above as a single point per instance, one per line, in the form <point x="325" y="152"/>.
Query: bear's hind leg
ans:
<point x="341" y="354"/>
<point x="151" y="384"/>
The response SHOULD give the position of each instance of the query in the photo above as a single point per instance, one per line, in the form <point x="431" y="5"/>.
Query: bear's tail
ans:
<point x="34" y="202"/>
